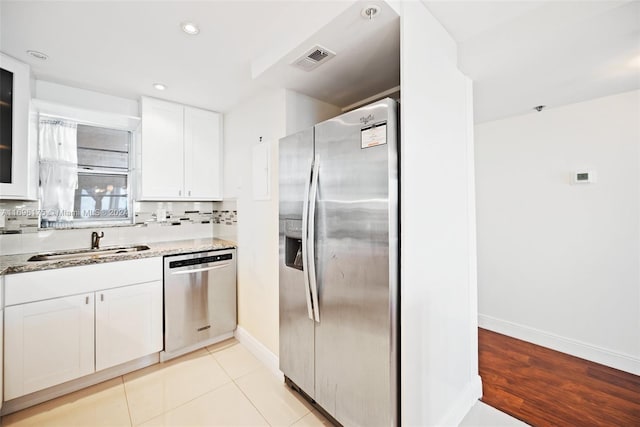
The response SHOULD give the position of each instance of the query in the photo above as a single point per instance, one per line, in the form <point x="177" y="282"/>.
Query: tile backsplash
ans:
<point x="222" y="215"/>
<point x="174" y="213"/>
<point x="18" y="216"/>
<point x="225" y="219"/>
<point x="154" y="222"/>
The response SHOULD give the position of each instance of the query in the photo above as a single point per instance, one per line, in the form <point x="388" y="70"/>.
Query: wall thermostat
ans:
<point x="584" y="177"/>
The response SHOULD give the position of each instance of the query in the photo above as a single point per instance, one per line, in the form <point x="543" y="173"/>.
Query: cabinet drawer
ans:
<point x="40" y="285"/>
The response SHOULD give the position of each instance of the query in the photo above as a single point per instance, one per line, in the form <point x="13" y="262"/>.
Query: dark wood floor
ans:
<point x="543" y="387"/>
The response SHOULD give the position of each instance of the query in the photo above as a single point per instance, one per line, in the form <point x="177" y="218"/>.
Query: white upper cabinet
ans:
<point x="202" y="154"/>
<point x="14" y="140"/>
<point x="162" y="149"/>
<point x="181" y="152"/>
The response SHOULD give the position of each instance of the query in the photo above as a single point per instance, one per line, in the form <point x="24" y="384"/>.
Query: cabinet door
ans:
<point x="128" y="323"/>
<point x="47" y="343"/>
<point x="1" y="354"/>
<point x="162" y="162"/>
<point x="203" y="154"/>
<point x="14" y="140"/>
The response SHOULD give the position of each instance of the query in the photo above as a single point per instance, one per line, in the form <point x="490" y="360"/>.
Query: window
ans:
<point x="100" y="184"/>
<point x="103" y="174"/>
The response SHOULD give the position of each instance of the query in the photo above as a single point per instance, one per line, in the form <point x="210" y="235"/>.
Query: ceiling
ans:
<point x="519" y="53"/>
<point x="123" y="47"/>
<point x="367" y="60"/>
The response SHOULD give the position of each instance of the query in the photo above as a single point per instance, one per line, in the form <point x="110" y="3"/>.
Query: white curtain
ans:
<point x="57" y="149"/>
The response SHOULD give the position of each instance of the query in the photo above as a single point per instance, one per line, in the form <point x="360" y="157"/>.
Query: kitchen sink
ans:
<point x="88" y="253"/>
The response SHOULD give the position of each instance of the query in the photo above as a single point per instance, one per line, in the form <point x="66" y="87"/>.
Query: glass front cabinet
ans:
<point x="14" y="128"/>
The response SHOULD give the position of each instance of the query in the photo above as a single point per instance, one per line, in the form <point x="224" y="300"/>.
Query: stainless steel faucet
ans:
<point x="95" y="239"/>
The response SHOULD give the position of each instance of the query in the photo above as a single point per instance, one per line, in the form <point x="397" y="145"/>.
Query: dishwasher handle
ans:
<point x="199" y="270"/>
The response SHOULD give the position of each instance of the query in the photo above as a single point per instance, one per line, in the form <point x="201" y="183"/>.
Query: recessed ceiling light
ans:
<point x="370" y="11"/>
<point x="38" y="55"/>
<point x="190" y="28"/>
<point x="159" y="86"/>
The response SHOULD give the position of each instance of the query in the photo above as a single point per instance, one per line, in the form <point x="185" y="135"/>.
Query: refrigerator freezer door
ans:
<point x="356" y="263"/>
<point x="296" y="328"/>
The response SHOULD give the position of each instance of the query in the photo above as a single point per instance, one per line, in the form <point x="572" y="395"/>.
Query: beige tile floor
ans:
<point x="222" y="385"/>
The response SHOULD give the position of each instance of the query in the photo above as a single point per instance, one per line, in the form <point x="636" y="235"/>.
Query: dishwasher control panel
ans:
<point x="198" y="261"/>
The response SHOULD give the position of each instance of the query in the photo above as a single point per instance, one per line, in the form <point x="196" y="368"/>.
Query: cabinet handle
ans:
<point x="101" y="297"/>
<point x="179" y="192"/>
<point x="189" y="192"/>
<point x="86" y="300"/>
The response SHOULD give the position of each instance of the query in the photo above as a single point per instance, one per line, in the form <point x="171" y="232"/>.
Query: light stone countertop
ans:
<point x="19" y="263"/>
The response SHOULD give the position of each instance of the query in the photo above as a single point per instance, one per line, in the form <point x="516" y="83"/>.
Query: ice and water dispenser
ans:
<point x="293" y="243"/>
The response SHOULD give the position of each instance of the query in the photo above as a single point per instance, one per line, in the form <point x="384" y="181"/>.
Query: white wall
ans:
<point x="271" y="115"/>
<point x="85" y="99"/>
<point x="262" y="116"/>
<point x="304" y="112"/>
<point x="559" y="263"/>
<point x="440" y="381"/>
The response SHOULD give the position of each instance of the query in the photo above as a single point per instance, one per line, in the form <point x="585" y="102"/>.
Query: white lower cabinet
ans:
<point x="1" y="342"/>
<point x="128" y="323"/>
<point x="63" y="324"/>
<point x="47" y="343"/>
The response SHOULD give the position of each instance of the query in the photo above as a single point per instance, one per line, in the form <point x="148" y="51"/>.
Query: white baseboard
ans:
<point x="621" y="361"/>
<point x="465" y="401"/>
<point x="259" y="350"/>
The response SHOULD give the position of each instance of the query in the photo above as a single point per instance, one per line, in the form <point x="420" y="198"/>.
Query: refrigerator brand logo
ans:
<point x="365" y="120"/>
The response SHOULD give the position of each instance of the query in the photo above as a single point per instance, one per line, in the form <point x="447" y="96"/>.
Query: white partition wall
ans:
<point x="439" y="376"/>
<point x="272" y="115"/>
<point x="559" y="261"/>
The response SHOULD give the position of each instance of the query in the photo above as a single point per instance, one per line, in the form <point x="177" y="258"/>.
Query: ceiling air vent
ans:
<point x="313" y="58"/>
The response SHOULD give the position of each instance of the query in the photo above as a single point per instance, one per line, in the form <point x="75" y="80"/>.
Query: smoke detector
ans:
<point x="313" y="58"/>
<point x="38" y="55"/>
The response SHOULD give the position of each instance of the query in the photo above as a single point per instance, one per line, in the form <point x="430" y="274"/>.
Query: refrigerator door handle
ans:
<point x="312" y="237"/>
<point x="305" y="228"/>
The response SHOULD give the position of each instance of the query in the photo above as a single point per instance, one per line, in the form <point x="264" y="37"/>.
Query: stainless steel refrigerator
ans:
<point x="339" y="279"/>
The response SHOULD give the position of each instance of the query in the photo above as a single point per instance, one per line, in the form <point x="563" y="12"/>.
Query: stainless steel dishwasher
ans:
<point x="199" y="300"/>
